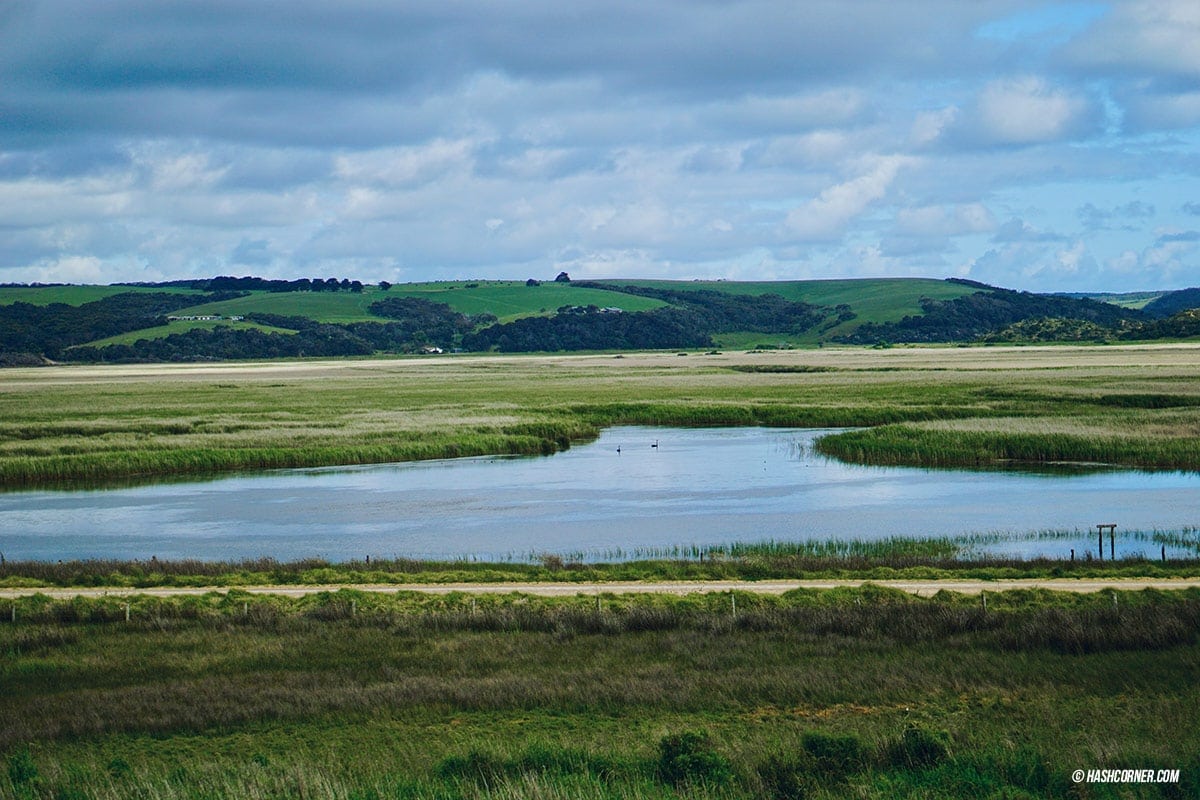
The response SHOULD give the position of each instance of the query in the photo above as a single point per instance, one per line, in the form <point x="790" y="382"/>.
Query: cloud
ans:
<point x="379" y="140"/>
<point x="1018" y="230"/>
<point x="1121" y="217"/>
<point x="1028" y="110"/>
<point x="827" y="216"/>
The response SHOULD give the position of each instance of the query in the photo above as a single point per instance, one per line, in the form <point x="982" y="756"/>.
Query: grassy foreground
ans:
<point x="863" y="693"/>
<point x="1135" y="406"/>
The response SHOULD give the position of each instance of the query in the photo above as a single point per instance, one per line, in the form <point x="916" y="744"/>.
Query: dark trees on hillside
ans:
<point x="49" y="330"/>
<point x="966" y="318"/>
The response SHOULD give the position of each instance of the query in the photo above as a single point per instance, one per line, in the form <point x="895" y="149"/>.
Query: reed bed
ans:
<point x="59" y="425"/>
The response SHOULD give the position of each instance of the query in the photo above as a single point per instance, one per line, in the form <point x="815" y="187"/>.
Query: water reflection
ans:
<point x="617" y="494"/>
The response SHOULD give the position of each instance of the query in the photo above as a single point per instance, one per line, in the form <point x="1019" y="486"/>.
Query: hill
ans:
<point x="221" y="318"/>
<point x="1172" y="303"/>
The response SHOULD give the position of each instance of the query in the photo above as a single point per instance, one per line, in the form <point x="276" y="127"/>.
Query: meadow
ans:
<point x="979" y="407"/>
<point x="866" y="693"/>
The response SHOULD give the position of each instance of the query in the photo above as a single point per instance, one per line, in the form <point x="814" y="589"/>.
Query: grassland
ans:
<point x="507" y="300"/>
<point x="1136" y="406"/>
<point x="74" y="294"/>
<point x="183" y="326"/>
<point x="863" y="693"/>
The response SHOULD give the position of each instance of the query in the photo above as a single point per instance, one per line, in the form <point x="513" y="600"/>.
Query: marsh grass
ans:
<point x="865" y="692"/>
<point x="1124" y="405"/>
<point x="963" y="556"/>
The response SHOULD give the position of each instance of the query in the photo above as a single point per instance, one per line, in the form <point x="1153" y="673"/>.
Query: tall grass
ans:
<point x="66" y="424"/>
<point x="868" y="693"/>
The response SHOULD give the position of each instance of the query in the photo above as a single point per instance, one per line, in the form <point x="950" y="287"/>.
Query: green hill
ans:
<point x="874" y="300"/>
<point x="331" y="318"/>
<point x="76" y="294"/>
<point x="507" y="300"/>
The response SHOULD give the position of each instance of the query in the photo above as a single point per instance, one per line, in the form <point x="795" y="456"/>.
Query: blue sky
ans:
<point x="1033" y="145"/>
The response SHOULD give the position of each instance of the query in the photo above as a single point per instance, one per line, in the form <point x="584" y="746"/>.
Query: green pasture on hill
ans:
<point x="508" y="300"/>
<point x="183" y="326"/>
<point x="876" y="300"/>
<point x="75" y="295"/>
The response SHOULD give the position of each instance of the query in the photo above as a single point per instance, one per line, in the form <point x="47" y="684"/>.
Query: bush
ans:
<point x="21" y="769"/>
<point x="834" y="756"/>
<point x="690" y="758"/>
<point x="919" y="747"/>
<point x="783" y="778"/>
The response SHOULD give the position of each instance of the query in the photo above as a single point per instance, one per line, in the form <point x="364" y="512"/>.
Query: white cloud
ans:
<point x="1028" y="110"/>
<point x="945" y="220"/>
<point x="827" y="216"/>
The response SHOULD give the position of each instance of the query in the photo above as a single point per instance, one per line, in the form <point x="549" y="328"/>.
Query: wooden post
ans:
<point x="127" y="612"/>
<point x="245" y="608"/>
<point x="983" y="596"/>
<point x="353" y="608"/>
<point x="1072" y="554"/>
<point x="14" y="612"/>
<point x="733" y="604"/>
<point x="1112" y="539"/>
<point x="1164" y="553"/>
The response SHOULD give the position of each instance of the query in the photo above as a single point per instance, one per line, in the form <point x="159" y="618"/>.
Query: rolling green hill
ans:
<point x="519" y="316"/>
<point x="507" y="300"/>
<point x="77" y="295"/>
<point x="183" y="326"/>
<point x="877" y="300"/>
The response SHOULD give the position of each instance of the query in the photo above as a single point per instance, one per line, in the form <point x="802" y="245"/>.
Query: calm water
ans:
<point x="697" y="487"/>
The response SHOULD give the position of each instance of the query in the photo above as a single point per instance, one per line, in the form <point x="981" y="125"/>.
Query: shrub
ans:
<point x="832" y="755"/>
<point x="919" y="747"/>
<point x="690" y="758"/>
<point x="21" y="769"/>
<point x="783" y="778"/>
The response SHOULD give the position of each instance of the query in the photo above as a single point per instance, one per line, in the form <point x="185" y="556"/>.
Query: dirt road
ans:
<point x="922" y="588"/>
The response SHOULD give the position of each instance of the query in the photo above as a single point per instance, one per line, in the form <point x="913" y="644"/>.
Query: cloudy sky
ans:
<point x="1033" y="145"/>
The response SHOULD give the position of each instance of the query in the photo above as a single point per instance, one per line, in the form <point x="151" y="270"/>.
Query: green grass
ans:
<point x="865" y="693"/>
<point x="924" y="559"/>
<point x="507" y="300"/>
<point x="1134" y="406"/>
<point x="74" y="295"/>
<point x="183" y="326"/>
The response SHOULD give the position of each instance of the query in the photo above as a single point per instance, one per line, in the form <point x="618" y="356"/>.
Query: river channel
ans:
<point x="633" y="492"/>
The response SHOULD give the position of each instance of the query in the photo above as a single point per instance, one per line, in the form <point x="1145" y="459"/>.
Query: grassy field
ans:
<point x="849" y="693"/>
<point x="183" y="326"/>
<point x="74" y="295"/>
<point x="1137" y="406"/>
<point x="508" y="300"/>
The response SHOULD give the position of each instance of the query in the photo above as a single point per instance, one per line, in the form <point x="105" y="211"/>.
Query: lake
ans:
<point x="618" y="497"/>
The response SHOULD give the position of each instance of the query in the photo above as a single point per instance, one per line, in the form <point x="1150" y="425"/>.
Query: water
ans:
<point x="697" y="487"/>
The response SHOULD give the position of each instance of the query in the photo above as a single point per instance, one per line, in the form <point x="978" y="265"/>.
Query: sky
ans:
<point x="1040" y="146"/>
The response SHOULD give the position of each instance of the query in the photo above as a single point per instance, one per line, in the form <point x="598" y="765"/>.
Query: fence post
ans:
<point x="983" y="596"/>
<point x="127" y="612"/>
